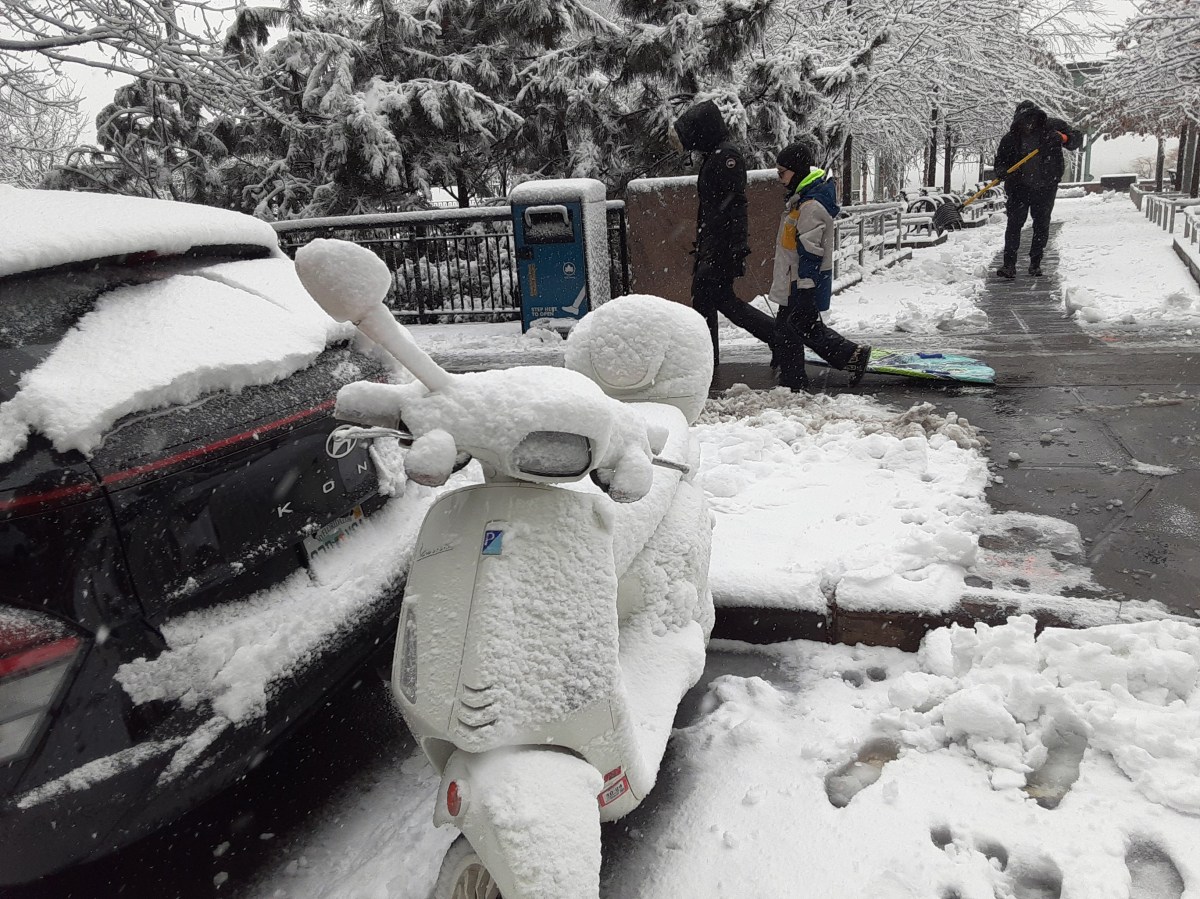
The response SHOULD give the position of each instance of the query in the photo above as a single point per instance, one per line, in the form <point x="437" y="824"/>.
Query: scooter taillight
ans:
<point x="36" y="654"/>
<point x="408" y="655"/>
<point x="453" y="799"/>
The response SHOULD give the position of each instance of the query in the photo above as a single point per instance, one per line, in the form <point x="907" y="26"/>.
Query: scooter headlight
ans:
<point x="553" y="454"/>
<point x="408" y="655"/>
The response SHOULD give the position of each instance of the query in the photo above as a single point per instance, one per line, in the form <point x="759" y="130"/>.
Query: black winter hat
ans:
<point x="798" y="157"/>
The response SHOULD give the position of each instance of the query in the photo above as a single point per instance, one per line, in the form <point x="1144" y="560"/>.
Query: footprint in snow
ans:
<point x="843" y="784"/>
<point x="1050" y="783"/>
<point x="856" y="678"/>
<point x="1152" y="874"/>
<point x="1038" y="879"/>
<point x="994" y="852"/>
<point x="1022" y="878"/>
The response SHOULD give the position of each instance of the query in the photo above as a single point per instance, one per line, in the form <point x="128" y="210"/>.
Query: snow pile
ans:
<point x="828" y="771"/>
<point x="1015" y="701"/>
<point x="1117" y="267"/>
<point x="938" y="290"/>
<point x="815" y="494"/>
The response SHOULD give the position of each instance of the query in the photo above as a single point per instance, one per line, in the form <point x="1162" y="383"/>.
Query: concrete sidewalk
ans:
<point x="1074" y="420"/>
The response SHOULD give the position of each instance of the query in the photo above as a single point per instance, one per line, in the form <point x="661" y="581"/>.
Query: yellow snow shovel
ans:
<point x="1012" y="168"/>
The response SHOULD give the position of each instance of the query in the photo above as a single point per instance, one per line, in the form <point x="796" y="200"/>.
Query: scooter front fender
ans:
<point x="531" y="814"/>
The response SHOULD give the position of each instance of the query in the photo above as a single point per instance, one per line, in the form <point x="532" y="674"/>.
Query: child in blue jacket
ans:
<point x="802" y="283"/>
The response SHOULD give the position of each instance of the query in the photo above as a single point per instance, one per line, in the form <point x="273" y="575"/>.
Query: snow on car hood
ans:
<point x="171" y="341"/>
<point x="44" y="228"/>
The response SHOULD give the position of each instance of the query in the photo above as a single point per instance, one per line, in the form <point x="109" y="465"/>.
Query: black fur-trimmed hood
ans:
<point x="701" y="127"/>
<point x="1030" y="113"/>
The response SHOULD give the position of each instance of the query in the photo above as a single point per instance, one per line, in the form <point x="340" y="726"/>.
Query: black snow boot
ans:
<point x="794" y="384"/>
<point x="1007" y="272"/>
<point x="1035" y="269"/>
<point x="857" y="366"/>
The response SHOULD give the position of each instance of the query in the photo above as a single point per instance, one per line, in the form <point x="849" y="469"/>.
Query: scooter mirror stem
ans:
<point x="381" y="326"/>
<point x="350" y="282"/>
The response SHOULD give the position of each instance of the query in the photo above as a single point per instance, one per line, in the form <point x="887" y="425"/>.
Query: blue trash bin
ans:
<point x="561" y="239"/>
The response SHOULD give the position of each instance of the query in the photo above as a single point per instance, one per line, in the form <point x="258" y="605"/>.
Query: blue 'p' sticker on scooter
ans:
<point x="493" y="543"/>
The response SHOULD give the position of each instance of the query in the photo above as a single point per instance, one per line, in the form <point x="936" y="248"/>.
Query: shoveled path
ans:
<point x="1070" y="418"/>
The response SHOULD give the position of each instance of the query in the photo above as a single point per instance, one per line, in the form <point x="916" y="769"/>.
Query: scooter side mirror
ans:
<point x="350" y="282"/>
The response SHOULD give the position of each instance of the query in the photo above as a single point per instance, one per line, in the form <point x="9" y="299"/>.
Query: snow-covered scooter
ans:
<point x="552" y="622"/>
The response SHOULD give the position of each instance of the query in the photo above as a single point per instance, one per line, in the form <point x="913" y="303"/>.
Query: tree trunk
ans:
<point x="1194" y="180"/>
<point x="864" y="175"/>
<point x="464" y="191"/>
<point x="1180" y="155"/>
<point x="932" y="149"/>
<point x="1160" y="160"/>
<point x="848" y="170"/>
<point x="949" y="160"/>
<point x="1187" y="150"/>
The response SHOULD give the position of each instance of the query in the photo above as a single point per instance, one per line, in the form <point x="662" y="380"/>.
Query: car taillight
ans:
<point x="36" y="654"/>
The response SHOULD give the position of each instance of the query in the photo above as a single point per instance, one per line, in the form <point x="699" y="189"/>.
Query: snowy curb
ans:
<point x="905" y="629"/>
<point x="1190" y="256"/>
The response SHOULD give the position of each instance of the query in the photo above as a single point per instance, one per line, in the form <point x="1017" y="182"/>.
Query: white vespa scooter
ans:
<point x="548" y="632"/>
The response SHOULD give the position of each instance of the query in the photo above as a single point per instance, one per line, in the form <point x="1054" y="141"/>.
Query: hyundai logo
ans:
<point x="338" y="446"/>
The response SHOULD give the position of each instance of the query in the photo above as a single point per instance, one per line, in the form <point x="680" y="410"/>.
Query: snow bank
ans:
<point x="1117" y="267"/>
<point x="993" y="763"/>
<point x="815" y="494"/>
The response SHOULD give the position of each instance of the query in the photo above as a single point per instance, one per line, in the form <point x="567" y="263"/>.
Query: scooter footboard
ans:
<point x="531" y="815"/>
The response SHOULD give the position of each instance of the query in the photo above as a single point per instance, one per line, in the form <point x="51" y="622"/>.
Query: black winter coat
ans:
<point x="1032" y="129"/>
<point x="722" y="233"/>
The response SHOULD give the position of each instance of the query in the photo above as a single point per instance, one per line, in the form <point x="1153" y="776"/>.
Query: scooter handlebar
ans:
<point x="671" y="464"/>
<point x="358" y="432"/>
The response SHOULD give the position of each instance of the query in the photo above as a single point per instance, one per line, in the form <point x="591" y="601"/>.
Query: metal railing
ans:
<point x="1191" y="228"/>
<point x="1161" y="208"/>
<point x="460" y="264"/>
<point x="873" y="230"/>
<point x="449" y="265"/>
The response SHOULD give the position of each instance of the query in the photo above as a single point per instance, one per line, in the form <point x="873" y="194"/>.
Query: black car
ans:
<point x="165" y="616"/>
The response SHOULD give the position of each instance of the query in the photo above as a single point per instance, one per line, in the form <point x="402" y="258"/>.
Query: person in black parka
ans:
<point x="722" y="233"/>
<point x="1032" y="187"/>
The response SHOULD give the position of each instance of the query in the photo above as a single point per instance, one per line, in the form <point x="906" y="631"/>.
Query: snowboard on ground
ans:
<point x="931" y="366"/>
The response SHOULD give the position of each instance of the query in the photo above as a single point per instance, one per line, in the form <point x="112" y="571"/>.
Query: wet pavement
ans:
<point x="1074" y="420"/>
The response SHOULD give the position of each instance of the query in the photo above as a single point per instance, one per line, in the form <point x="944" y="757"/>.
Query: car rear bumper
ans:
<point x="107" y="804"/>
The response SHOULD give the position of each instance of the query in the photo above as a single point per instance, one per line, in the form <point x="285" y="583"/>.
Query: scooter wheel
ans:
<point x="463" y="875"/>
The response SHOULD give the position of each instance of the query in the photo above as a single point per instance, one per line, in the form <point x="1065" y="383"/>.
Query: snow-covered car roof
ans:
<point x="44" y="228"/>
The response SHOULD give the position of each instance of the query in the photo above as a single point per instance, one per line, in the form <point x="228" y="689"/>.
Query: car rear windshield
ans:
<point x="38" y="308"/>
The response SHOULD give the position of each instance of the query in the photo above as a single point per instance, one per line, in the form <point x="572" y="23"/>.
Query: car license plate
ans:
<point x="333" y="533"/>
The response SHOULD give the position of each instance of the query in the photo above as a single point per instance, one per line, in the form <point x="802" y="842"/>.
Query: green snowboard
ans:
<point x="931" y="366"/>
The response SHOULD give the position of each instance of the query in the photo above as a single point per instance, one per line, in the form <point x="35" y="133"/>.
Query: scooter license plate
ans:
<point x="332" y="533"/>
<point x="613" y="792"/>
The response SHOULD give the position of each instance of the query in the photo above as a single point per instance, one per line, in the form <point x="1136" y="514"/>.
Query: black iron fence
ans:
<point x="449" y="265"/>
